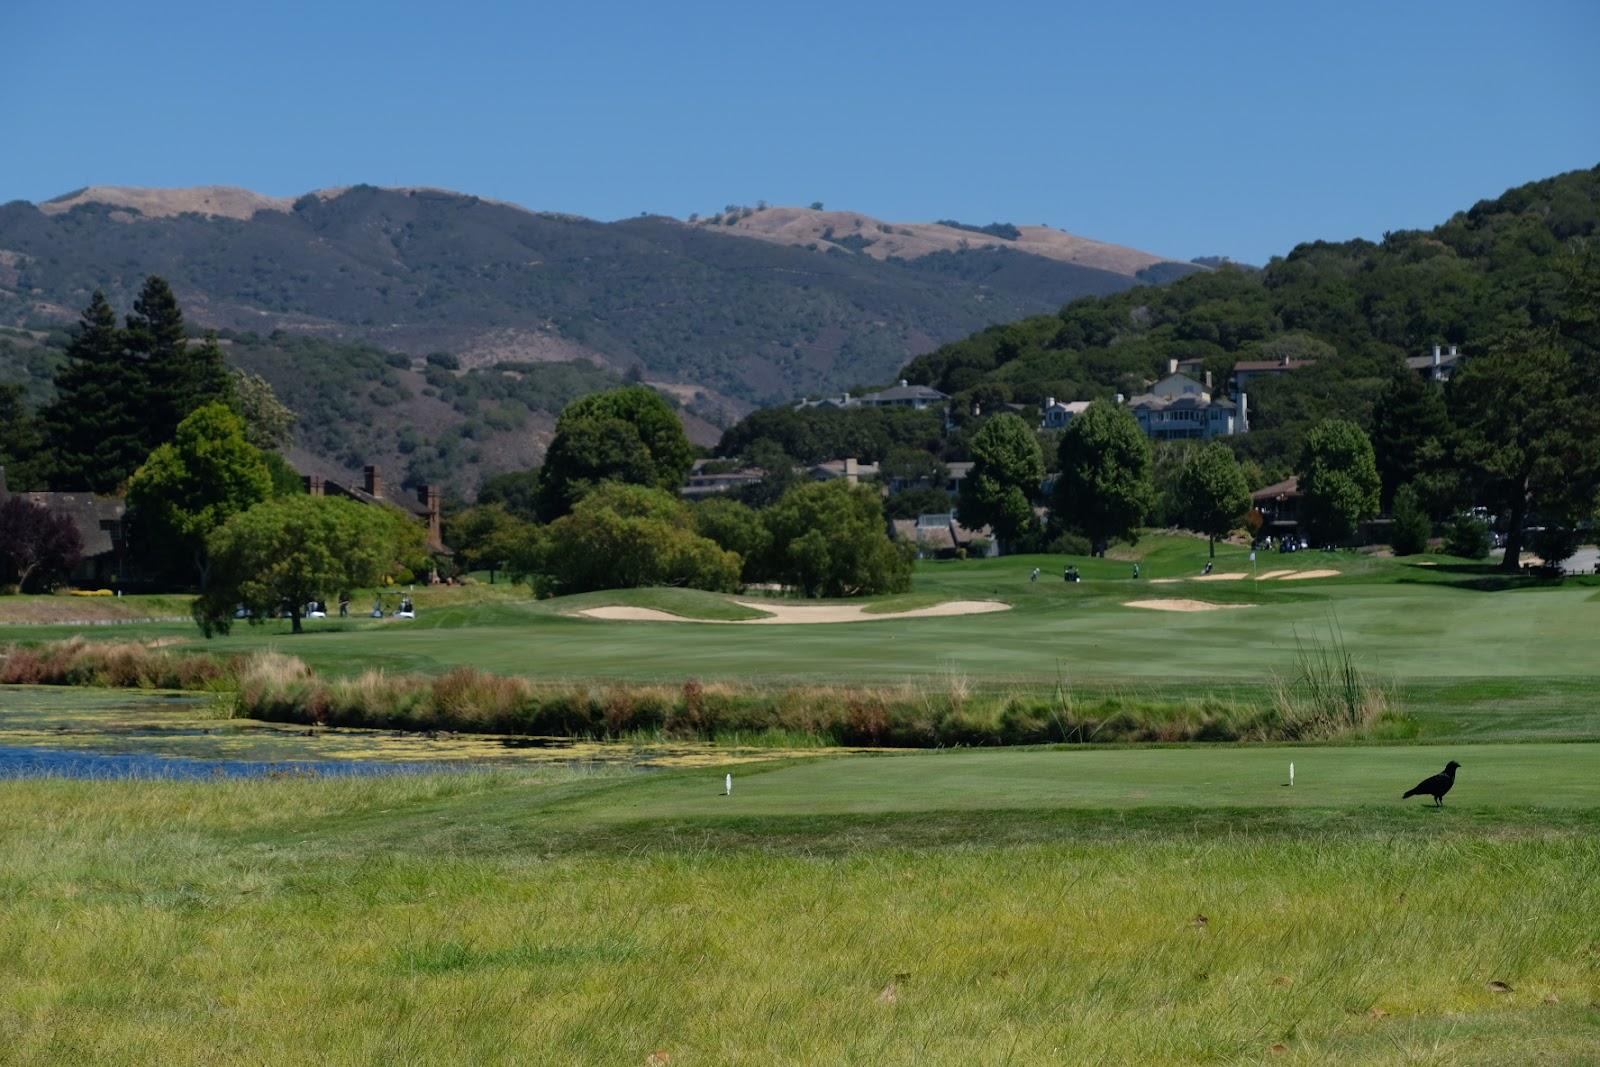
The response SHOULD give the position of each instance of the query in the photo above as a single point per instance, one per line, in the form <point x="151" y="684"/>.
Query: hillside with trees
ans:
<point x="1356" y="308"/>
<point x="715" y="308"/>
<point x="1513" y="283"/>
<point x="429" y="420"/>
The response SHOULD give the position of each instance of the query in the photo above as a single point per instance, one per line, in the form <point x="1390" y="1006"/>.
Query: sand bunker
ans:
<point x="1179" y="604"/>
<point x="784" y="614"/>
<point x="1235" y="576"/>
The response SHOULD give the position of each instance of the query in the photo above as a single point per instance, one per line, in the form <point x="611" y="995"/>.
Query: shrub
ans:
<point x="1068" y="543"/>
<point x="1555" y="544"/>
<point x="1467" y="537"/>
<point x="1410" y="526"/>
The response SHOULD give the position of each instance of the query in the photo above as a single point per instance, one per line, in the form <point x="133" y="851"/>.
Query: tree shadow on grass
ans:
<point x="1486" y="577"/>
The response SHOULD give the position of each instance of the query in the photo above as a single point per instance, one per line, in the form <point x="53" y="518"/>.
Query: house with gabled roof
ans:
<point x="1179" y="408"/>
<point x="1249" y="370"/>
<point x="905" y="395"/>
<point x="97" y="517"/>
<point x="1439" y="366"/>
<point x="425" y="507"/>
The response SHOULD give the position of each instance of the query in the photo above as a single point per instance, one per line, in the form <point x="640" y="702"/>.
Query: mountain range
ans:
<point x="746" y="307"/>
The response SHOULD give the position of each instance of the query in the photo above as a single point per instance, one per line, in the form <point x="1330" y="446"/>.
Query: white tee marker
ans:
<point x="1291" y="774"/>
<point x="727" y="786"/>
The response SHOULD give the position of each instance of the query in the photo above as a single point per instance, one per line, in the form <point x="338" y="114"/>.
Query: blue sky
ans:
<point x="1183" y="128"/>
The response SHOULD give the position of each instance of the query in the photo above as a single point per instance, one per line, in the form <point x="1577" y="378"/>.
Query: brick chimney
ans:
<point x="428" y="496"/>
<point x="373" y="480"/>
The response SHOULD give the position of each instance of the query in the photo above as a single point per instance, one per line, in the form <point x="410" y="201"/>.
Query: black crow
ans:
<point x="1435" y="787"/>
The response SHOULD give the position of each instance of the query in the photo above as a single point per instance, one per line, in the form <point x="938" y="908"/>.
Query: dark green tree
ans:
<point x="291" y="550"/>
<point x="780" y="475"/>
<point x="829" y="539"/>
<point x="910" y="503"/>
<point x="1410" y="527"/>
<point x="1529" y="419"/>
<point x="194" y="483"/>
<point x="517" y="491"/>
<point x="1104" y="490"/>
<point x="485" y="536"/>
<point x="181" y="377"/>
<point x="1339" y="482"/>
<point x="1467" y="537"/>
<point x="737" y="527"/>
<point x="22" y="453"/>
<point x="913" y="468"/>
<point x="286" y="481"/>
<point x="1555" y="544"/>
<point x="585" y="453"/>
<point x="624" y="537"/>
<point x="1212" y="497"/>
<point x="627" y="435"/>
<point x="998" y="492"/>
<point x="1410" y="429"/>
<point x="96" y="433"/>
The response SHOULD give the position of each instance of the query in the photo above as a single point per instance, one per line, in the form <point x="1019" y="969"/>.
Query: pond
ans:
<point x="109" y="733"/>
<point x="43" y="762"/>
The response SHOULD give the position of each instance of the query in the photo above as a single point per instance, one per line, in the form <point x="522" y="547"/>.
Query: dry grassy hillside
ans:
<point x="853" y="231"/>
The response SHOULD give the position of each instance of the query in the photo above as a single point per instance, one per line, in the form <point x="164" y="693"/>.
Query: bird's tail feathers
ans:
<point x="1409" y="793"/>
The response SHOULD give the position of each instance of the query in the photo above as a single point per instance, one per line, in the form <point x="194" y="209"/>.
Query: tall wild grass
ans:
<point x="1328" y="696"/>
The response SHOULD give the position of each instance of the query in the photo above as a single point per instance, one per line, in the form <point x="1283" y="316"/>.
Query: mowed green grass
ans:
<point x="1405" y="622"/>
<point x="1493" y="778"/>
<point x="1114" y="906"/>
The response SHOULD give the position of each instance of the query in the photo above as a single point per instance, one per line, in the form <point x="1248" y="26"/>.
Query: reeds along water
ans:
<point x="1326" y="696"/>
<point x="113" y="664"/>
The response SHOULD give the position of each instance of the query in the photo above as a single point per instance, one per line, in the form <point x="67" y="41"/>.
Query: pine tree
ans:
<point x="155" y="335"/>
<point x="204" y="377"/>
<point x="1410" y="424"/>
<point x="22" y="451"/>
<point x="95" y="428"/>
